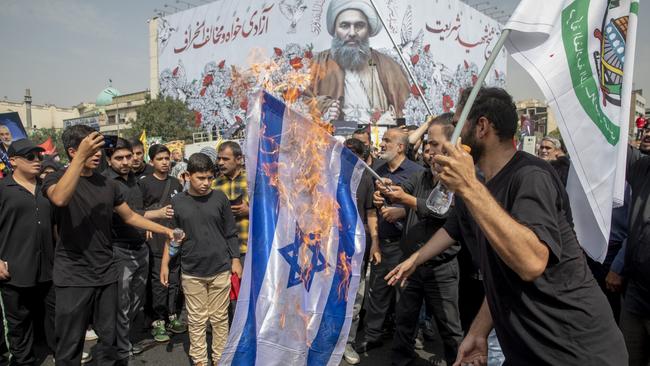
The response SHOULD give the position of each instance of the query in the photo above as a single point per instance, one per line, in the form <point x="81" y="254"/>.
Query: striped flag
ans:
<point x="306" y="243"/>
<point x="581" y="54"/>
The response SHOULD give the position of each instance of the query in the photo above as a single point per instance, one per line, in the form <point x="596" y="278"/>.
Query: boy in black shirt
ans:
<point x="158" y="189"/>
<point x="84" y="271"/>
<point x="208" y="255"/>
<point x="26" y="253"/>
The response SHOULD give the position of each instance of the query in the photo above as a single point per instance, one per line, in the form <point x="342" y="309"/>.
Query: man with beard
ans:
<point x="5" y="142"/>
<point x="390" y="224"/>
<point x="434" y="283"/>
<point x="540" y="295"/>
<point x="351" y="81"/>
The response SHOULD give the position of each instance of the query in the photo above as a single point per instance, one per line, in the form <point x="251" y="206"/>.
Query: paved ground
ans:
<point x="175" y="353"/>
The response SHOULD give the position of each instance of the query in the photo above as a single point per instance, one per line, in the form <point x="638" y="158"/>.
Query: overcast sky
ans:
<point x="66" y="50"/>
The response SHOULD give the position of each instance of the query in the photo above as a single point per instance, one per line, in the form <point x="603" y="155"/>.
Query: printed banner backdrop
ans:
<point x="203" y="51"/>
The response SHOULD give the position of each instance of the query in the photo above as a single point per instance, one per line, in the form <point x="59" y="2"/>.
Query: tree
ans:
<point x="164" y="117"/>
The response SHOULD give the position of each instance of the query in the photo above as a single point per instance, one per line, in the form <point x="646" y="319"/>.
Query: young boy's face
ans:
<point x="200" y="182"/>
<point x="160" y="162"/>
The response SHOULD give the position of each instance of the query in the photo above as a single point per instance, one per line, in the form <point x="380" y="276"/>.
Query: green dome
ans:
<point x="106" y="96"/>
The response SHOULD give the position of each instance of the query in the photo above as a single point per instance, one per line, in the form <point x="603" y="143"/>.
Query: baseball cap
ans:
<point x="23" y="147"/>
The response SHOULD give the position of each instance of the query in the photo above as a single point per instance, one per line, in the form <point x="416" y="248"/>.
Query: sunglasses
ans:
<point x="32" y="156"/>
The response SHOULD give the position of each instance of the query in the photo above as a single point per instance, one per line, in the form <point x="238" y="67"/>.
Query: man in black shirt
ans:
<point x="541" y="297"/>
<point x="158" y="189"/>
<point x="435" y="282"/>
<point x="84" y="273"/>
<point x="209" y="254"/>
<point x="129" y="250"/>
<point x="138" y="166"/>
<point x="26" y="253"/>
<point x="390" y="222"/>
<point x="369" y="217"/>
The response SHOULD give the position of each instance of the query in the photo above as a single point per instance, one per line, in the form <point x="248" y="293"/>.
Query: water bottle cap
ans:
<point x="466" y="148"/>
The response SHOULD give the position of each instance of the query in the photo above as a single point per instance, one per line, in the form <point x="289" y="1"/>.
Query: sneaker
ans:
<point x="91" y="335"/>
<point x="86" y="357"/>
<point x="159" y="332"/>
<point x="419" y="341"/>
<point x="175" y="325"/>
<point x="350" y="355"/>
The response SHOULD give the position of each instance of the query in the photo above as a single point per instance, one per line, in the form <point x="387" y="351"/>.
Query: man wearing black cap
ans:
<point x="26" y="253"/>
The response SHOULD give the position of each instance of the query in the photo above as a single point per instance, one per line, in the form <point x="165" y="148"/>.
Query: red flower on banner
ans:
<point x="208" y="79"/>
<point x="415" y="91"/>
<point x="229" y="92"/>
<point x="466" y="64"/>
<point x="175" y="72"/>
<point x="415" y="59"/>
<point x="202" y="92"/>
<point x="296" y="63"/>
<point x="244" y="104"/>
<point x="278" y="51"/>
<point x="474" y="79"/>
<point x="238" y="119"/>
<point x="309" y="54"/>
<point x="198" y="117"/>
<point x="427" y="48"/>
<point x="447" y="103"/>
<point x="222" y="64"/>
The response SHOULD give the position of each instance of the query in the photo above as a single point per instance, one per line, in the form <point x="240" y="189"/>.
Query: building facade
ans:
<point x="539" y="113"/>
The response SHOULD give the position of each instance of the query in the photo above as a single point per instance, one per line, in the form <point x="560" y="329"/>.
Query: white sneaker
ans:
<point x="350" y="355"/>
<point x="91" y="335"/>
<point x="86" y="357"/>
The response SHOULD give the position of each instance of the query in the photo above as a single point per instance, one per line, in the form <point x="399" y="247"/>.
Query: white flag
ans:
<point x="581" y="54"/>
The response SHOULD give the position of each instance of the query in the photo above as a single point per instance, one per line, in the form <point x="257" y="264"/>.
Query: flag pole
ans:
<point x="401" y="57"/>
<point x="479" y="82"/>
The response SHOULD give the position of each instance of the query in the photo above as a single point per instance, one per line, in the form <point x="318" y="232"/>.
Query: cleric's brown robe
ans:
<point x="328" y="81"/>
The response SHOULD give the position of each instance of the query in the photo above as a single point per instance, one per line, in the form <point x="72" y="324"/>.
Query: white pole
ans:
<point x="479" y="82"/>
<point x="401" y="56"/>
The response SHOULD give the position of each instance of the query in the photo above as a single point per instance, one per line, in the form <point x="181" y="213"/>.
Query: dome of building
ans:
<point x="106" y="96"/>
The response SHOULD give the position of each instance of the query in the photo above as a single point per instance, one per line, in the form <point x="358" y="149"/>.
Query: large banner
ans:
<point x="352" y="70"/>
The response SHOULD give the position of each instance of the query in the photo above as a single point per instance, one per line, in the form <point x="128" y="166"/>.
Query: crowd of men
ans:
<point x="82" y="247"/>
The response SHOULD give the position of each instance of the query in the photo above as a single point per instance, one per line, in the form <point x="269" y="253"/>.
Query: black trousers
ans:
<point x="437" y="286"/>
<point x="28" y="308"/>
<point x="380" y="294"/>
<point x="74" y="308"/>
<point x="164" y="300"/>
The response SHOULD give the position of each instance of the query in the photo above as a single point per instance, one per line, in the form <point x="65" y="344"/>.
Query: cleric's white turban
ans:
<point x="337" y="6"/>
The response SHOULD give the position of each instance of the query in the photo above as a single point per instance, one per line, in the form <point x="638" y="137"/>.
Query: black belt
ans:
<point x="129" y="246"/>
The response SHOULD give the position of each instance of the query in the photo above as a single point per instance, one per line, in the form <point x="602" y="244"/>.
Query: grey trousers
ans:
<point x="132" y="268"/>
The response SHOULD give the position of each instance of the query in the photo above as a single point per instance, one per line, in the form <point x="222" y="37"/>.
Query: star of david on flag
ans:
<point x="306" y="243"/>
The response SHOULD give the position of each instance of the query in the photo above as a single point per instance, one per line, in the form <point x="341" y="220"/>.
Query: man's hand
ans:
<point x="378" y="200"/>
<point x="375" y="254"/>
<point x="4" y="270"/>
<point x="472" y="351"/>
<point x="164" y="275"/>
<point x="333" y="111"/>
<point x="236" y="267"/>
<point x="240" y="210"/>
<point x="393" y="214"/>
<point x="90" y="145"/>
<point x="395" y="195"/>
<point x="402" y="271"/>
<point x="166" y="212"/>
<point x="457" y="168"/>
<point x="614" y="282"/>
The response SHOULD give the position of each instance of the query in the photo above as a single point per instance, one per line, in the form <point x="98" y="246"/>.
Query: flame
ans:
<point x="345" y="268"/>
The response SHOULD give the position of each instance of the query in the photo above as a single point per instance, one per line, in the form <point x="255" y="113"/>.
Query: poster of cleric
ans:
<point x="337" y="53"/>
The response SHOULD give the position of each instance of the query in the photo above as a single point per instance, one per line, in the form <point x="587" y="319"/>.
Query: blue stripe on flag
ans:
<point x="263" y="222"/>
<point x="334" y="313"/>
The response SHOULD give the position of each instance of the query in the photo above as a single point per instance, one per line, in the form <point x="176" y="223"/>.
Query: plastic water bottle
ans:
<point x="175" y="244"/>
<point x="440" y="199"/>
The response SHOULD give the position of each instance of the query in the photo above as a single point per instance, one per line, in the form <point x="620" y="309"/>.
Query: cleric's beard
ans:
<point x="351" y="57"/>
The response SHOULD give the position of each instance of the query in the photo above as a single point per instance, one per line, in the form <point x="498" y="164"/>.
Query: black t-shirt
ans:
<point x="25" y="234"/>
<point x="84" y="254"/>
<point x="146" y="170"/>
<point x="122" y="232"/>
<point x="152" y="190"/>
<point x="210" y="233"/>
<point x="364" y="196"/>
<point x="561" y="318"/>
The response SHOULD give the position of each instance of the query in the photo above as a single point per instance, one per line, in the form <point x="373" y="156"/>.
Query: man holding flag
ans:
<point x="540" y="295"/>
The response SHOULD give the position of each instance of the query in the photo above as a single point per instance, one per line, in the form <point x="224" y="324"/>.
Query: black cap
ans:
<point x="23" y="147"/>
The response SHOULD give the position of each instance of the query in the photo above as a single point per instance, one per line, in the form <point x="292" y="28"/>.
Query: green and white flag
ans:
<point x="581" y="54"/>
